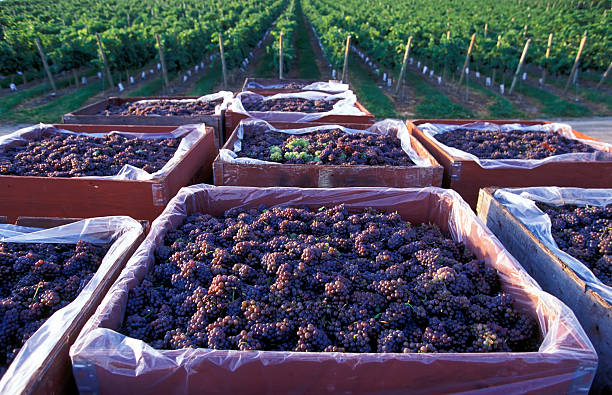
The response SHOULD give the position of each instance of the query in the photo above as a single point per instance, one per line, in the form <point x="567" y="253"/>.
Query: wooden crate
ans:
<point x="90" y="197"/>
<point x="89" y="115"/>
<point x="467" y="176"/>
<point x="555" y="277"/>
<point x="55" y="373"/>
<point x="326" y="176"/>
<point x="119" y="369"/>
<point x="232" y="119"/>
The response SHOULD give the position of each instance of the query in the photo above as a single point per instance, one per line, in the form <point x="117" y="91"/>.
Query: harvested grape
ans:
<point x="499" y="144"/>
<point x="257" y="103"/>
<point x="38" y="280"/>
<point x="163" y="108"/>
<point x="584" y="233"/>
<point x="70" y="155"/>
<point x="326" y="147"/>
<point x="326" y="280"/>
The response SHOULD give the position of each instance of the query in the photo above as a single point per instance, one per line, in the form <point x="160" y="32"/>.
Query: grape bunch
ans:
<point x="257" y="103"/>
<point x="326" y="280"/>
<point x="38" y="280"/>
<point x="326" y="147"/>
<point x="498" y="144"/>
<point x="163" y="108"/>
<point x="584" y="232"/>
<point x="70" y="155"/>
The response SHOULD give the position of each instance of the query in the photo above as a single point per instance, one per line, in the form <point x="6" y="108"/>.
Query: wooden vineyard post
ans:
<point x="163" y="62"/>
<point x="23" y="77"/>
<point x="404" y="64"/>
<point x="550" y="36"/>
<point x="44" y="62"/>
<point x="575" y="67"/>
<point x="520" y="66"/>
<point x="346" y="54"/>
<point x="604" y="76"/>
<point x="486" y="30"/>
<point x="223" y="61"/>
<point x="467" y="58"/>
<point x="280" y="57"/>
<point x="75" y="76"/>
<point x="103" y="56"/>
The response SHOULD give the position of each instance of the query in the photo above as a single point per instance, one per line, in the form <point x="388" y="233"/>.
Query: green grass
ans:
<point x="553" y="105"/>
<point x="207" y="82"/>
<point x="369" y="94"/>
<point x="53" y="111"/>
<point x="432" y="102"/>
<point x="596" y="96"/>
<point x="149" y="88"/>
<point x="12" y="100"/>
<point x="306" y="64"/>
<point x="501" y="108"/>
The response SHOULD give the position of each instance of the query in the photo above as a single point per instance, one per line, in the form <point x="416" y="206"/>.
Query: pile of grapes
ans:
<point x="68" y="155"/>
<point x="288" y="105"/>
<point x="327" y="147"/>
<point x="38" y="280"/>
<point x="498" y="144"/>
<point x="295" y="279"/>
<point x="164" y="108"/>
<point x="584" y="233"/>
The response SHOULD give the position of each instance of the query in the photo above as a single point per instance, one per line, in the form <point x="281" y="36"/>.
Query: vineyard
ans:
<point x="119" y="47"/>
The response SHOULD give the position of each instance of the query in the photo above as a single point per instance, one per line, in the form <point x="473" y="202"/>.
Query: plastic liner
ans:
<point x="106" y="361"/>
<point x="121" y="231"/>
<point x="344" y="106"/>
<point x="330" y="86"/>
<point x="225" y="95"/>
<point x="190" y="135"/>
<point x="603" y="153"/>
<point x="382" y="128"/>
<point x="521" y="203"/>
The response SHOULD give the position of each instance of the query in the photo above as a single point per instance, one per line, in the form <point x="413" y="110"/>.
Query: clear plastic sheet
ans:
<point x="106" y="361"/>
<point x="344" y="106"/>
<point x="521" y="203"/>
<point x="603" y="153"/>
<point x="121" y="231"/>
<point x="330" y="86"/>
<point x="398" y="128"/>
<point x="190" y="135"/>
<point x="225" y="95"/>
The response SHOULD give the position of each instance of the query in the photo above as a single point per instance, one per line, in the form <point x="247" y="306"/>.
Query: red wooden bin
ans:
<point x="109" y="362"/>
<point x="312" y="176"/>
<point x="92" y="197"/>
<point x="467" y="176"/>
<point x="233" y="118"/>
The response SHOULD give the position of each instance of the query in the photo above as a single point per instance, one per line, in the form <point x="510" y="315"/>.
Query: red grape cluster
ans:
<point x="38" y="280"/>
<point x="332" y="280"/>
<point x="586" y="234"/>
<point x="257" y="103"/>
<point x="69" y="155"/>
<point x="163" y="108"/>
<point x="326" y="147"/>
<point x="498" y="144"/>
